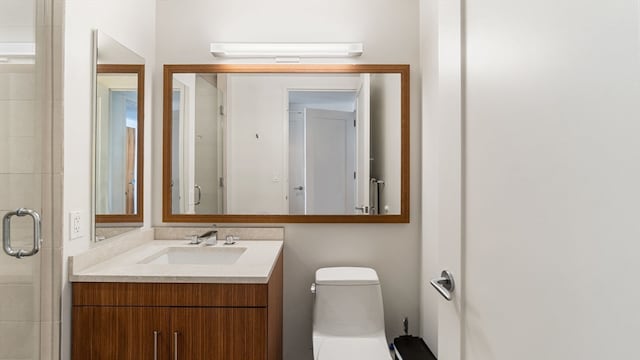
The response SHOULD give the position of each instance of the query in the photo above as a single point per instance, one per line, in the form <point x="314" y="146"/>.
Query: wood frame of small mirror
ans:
<point x="137" y="69"/>
<point x="170" y="70"/>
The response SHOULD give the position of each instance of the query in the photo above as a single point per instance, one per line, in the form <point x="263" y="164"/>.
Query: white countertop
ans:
<point x="254" y="266"/>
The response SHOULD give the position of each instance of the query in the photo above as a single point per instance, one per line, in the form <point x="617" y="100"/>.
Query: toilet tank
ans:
<point x="348" y="302"/>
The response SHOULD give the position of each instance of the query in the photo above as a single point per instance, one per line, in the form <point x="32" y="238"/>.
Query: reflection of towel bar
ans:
<point x="199" y="194"/>
<point x="374" y="195"/>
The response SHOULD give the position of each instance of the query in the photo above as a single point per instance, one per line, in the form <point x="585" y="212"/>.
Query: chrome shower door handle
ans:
<point x="6" y="233"/>
<point x="444" y="284"/>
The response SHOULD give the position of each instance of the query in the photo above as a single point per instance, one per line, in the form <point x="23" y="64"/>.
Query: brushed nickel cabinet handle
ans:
<point x="175" y="345"/>
<point x="155" y="344"/>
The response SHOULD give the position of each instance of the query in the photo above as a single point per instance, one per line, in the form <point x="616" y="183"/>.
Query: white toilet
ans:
<point x="348" y="318"/>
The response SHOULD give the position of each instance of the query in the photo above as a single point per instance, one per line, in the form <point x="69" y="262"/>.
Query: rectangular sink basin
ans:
<point x="196" y="256"/>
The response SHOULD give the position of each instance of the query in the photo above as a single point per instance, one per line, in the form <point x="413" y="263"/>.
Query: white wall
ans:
<point x="17" y="21"/>
<point x="132" y="24"/>
<point x="256" y="118"/>
<point x="385" y="139"/>
<point x="389" y="30"/>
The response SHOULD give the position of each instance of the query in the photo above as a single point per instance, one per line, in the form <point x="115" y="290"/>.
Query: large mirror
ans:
<point x="286" y="143"/>
<point x="118" y="137"/>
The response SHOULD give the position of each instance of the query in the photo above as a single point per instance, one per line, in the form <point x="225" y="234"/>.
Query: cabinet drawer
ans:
<point x="163" y="294"/>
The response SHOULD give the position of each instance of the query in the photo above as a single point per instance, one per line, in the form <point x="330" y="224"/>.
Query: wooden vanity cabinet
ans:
<point x="219" y="333"/>
<point x="110" y="332"/>
<point x="178" y="321"/>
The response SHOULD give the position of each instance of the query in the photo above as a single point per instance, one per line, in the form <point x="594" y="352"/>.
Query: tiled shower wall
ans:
<point x="20" y="186"/>
<point x="29" y="313"/>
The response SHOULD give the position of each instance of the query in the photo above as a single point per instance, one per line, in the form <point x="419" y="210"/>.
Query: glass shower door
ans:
<point x="25" y="178"/>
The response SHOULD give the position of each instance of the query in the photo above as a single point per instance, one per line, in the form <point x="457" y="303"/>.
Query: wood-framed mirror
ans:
<point x="286" y="143"/>
<point x="118" y="138"/>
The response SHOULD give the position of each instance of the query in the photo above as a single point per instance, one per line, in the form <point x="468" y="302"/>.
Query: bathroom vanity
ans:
<point x="150" y="304"/>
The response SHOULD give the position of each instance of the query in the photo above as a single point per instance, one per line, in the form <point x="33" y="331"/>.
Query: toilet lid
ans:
<point x="346" y="276"/>
<point x="354" y="349"/>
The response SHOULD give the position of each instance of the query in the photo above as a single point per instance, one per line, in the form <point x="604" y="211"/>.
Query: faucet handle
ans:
<point x="193" y="239"/>
<point x="230" y="240"/>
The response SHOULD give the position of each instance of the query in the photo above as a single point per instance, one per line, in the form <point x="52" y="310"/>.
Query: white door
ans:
<point x="363" y="130"/>
<point x="329" y="146"/>
<point x="549" y="219"/>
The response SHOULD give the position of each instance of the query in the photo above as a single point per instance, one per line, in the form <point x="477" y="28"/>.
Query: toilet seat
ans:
<point x="353" y="348"/>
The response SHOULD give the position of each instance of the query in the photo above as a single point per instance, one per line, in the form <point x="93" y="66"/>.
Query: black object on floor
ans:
<point x="412" y="348"/>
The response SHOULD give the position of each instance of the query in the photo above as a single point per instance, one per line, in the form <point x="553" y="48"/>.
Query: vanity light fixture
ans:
<point x="284" y="51"/>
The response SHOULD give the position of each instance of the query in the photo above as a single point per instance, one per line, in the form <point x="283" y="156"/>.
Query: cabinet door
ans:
<point x="121" y="333"/>
<point x="219" y="333"/>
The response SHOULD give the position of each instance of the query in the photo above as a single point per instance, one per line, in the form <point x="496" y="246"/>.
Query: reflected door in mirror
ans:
<point x="116" y="135"/>
<point x="329" y="162"/>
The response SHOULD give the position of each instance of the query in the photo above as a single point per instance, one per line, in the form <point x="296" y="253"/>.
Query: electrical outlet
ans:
<point x="75" y="225"/>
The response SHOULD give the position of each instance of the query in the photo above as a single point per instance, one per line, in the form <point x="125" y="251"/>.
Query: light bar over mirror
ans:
<point x="286" y="143"/>
<point x="286" y="50"/>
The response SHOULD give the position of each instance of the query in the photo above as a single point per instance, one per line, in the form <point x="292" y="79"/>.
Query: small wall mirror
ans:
<point x="286" y="143"/>
<point x="118" y="145"/>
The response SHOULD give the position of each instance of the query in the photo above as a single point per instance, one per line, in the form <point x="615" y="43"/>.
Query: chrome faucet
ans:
<point x="210" y="238"/>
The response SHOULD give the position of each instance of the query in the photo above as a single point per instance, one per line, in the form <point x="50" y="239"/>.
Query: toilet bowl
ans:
<point x="348" y="317"/>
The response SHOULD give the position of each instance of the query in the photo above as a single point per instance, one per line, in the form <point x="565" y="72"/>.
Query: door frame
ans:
<point x="443" y="172"/>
